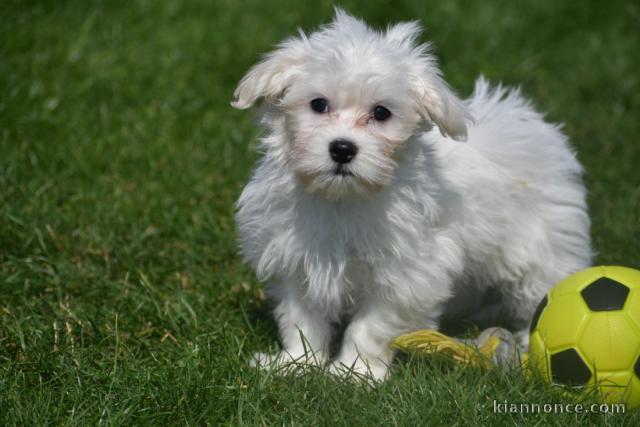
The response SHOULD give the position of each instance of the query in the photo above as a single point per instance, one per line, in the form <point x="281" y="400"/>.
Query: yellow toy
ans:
<point x="585" y="332"/>
<point x="494" y="346"/>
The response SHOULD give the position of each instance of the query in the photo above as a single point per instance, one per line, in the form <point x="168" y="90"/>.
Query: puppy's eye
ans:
<point x="380" y="113"/>
<point x="319" y="105"/>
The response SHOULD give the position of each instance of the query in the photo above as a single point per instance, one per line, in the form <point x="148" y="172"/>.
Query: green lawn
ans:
<point x="122" y="297"/>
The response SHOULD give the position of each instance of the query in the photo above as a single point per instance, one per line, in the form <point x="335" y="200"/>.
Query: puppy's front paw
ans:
<point x="366" y="370"/>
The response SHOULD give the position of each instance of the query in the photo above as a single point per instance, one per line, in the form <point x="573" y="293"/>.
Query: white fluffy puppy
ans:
<point x="367" y="209"/>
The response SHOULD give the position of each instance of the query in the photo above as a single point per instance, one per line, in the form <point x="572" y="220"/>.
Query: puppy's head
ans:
<point x="348" y="98"/>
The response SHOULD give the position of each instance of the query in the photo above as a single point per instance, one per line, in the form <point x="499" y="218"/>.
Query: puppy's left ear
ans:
<point x="271" y="77"/>
<point x="437" y="103"/>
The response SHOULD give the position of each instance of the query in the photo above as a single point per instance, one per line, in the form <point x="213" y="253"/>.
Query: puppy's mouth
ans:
<point x="338" y="182"/>
<point x="341" y="170"/>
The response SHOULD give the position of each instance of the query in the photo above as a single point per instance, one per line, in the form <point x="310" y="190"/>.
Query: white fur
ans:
<point x="424" y="220"/>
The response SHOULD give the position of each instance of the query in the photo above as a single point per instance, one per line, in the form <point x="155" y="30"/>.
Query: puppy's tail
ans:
<point x="488" y="102"/>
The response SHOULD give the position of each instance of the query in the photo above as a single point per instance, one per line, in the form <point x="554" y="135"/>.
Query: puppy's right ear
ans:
<point x="273" y="75"/>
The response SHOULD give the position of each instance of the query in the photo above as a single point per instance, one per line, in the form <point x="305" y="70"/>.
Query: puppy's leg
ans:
<point x="521" y="299"/>
<point x="406" y="294"/>
<point x="366" y="345"/>
<point x="304" y="333"/>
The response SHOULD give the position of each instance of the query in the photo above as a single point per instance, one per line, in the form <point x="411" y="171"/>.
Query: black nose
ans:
<point x="342" y="151"/>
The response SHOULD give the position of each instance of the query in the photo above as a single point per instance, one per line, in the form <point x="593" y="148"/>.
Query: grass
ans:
<point x="122" y="296"/>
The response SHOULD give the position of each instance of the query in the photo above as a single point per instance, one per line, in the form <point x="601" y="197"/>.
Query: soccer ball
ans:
<point x="586" y="332"/>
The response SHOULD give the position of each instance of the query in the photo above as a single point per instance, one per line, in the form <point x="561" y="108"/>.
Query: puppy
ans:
<point x="367" y="204"/>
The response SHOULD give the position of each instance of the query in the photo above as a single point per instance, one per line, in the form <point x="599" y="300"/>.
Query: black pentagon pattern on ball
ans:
<point x="567" y="367"/>
<point x="636" y="368"/>
<point x="537" y="313"/>
<point x="605" y="294"/>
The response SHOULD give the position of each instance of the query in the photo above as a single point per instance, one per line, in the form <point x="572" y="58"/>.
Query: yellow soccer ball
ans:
<point x="586" y="332"/>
